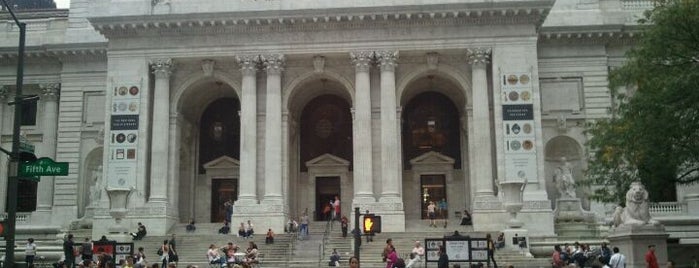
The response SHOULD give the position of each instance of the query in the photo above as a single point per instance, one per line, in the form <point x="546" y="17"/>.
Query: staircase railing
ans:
<point x="321" y="247"/>
<point x="290" y="251"/>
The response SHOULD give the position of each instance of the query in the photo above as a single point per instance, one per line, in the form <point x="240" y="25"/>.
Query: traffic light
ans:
<point x="372" y="224"/>
<point x="3" y="224"/>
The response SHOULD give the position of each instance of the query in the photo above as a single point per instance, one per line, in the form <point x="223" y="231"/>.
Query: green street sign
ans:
<point x="25" y="145"/>
<point x="43" y="167"/>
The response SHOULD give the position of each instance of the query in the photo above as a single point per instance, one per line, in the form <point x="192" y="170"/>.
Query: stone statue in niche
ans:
<point x="637" y="210"/>
<point x="95" y="186"/>
<point x="563" y="177"/>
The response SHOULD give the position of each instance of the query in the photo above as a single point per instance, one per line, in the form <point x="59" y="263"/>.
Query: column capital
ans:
<point x="362" y="60"/>
<point x="274" y="63"/>
<point x="248" y="63"/>
<point x="50" y="91"/>
<point x="4" y="92"/>
<point x="388" y="59"/>
<point x="162" y="68"/>
<point x="479" y="55"/>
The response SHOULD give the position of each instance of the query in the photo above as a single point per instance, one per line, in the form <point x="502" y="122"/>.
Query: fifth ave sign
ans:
<point x="43" y="167"/>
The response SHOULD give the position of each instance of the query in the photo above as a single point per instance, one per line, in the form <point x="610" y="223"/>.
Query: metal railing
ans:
<point x="326" y="235"/>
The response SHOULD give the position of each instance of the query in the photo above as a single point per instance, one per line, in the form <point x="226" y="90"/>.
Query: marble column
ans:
<point x="162" y="68"/>
<point x="273" y="125"/>
<point x="481" y="141"/>
<point x="49" y="124"/>
<point x="390" y="160"/>
<point x="361" y="128"/>
<point x="248" y="129"/>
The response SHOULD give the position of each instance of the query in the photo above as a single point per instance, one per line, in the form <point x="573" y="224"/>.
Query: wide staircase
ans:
<point x="192" y="247"/>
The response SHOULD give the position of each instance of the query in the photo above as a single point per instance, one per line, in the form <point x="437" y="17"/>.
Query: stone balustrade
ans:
<point x="668" y="208"/>
<point x="637" y="4"/>
<point x="22" y="217"/>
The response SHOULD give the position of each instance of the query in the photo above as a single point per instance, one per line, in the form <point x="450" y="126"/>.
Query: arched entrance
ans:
<point x="433" y="138"/>
<point x="208" y="126"/>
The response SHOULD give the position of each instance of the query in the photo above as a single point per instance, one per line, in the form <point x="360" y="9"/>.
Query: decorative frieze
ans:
<point x="478" y="55"/>
<point x="388" y="59"/>
<point x="162" y="68"/>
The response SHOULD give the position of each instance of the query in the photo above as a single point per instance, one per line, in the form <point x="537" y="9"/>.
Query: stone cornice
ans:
<point x="529" y="12"/>
<point x="91" y="50"/>
<point x="590" y="34"/>
<point x="36" y="14"/>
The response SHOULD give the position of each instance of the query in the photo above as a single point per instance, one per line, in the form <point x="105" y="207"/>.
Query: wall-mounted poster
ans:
<point x="432" y="249"/>
<point x="518" y="125"/>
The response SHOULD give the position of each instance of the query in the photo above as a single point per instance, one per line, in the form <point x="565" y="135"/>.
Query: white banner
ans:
<point x="518" y="126"/>
<point x="124" y="136"/>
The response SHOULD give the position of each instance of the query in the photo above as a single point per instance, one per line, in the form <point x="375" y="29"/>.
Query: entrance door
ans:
<point x="433" y="188"/>
<point x="326" y="190"/>
<point x="222" y="190"/>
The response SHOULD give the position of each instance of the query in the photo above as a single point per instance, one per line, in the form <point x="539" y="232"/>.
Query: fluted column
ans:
<point x="390" y="162"/>
<point x="162" y="68"/>
<point x="273" y="124"/>
<point x="361" y="128"/>
<point x="49" y="97"/>
<point x="478" y="58"/>
<point x="248" y="130"/>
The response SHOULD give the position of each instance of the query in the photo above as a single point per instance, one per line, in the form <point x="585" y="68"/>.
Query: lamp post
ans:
<point x="14" y="155"/>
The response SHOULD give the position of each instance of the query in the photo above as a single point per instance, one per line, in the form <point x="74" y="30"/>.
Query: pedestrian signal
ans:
<point x="372" y="224"/>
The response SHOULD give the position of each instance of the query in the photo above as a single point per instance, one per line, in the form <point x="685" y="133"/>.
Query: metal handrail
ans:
<point x="321" y="247"/>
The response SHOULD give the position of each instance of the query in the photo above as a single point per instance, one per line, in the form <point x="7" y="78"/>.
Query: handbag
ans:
<point x="160" y="252"/>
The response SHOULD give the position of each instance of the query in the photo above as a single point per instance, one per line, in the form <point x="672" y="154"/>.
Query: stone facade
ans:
<point x="274" y="57"/>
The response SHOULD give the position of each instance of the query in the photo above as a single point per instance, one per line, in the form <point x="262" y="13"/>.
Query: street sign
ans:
<point x="43" y="167"/>
<point x="25" y="145"/>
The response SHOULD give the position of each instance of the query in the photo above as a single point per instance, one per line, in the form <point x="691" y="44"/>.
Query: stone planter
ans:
<point x="513" y="200"/>
<point x="118" y="202"/>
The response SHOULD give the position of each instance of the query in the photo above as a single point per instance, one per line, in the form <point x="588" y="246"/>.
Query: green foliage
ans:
<point x="653" y="135"/>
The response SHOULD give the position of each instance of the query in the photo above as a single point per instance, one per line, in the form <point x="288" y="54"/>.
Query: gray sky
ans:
<point x="62" y="3"/>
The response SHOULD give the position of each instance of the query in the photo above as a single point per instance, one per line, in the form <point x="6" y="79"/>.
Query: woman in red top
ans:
<point x="556" y="261"/>
<point x="392" y="257"/>
<point x="651" y="260"/>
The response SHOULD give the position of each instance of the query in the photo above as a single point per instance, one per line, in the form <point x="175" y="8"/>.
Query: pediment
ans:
<point x="327" y="160"/>
<point x="431" y="158"/>
<point x="222" y="162"/>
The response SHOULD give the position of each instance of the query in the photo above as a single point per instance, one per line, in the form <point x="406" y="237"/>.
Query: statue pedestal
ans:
<point x="569" y="209"/>
<point x="633" y="241"/>
<point x="513" y="236"/>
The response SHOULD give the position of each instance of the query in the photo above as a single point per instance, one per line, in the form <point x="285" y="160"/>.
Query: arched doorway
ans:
<point x="326" y="129"/>
<point x="208" y="135"/>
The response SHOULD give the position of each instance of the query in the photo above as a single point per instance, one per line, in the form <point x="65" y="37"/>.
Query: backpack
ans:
<point x="87" y="249"/>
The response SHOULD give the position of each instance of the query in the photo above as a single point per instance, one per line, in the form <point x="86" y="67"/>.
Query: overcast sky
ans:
<point x="62" y="3"/>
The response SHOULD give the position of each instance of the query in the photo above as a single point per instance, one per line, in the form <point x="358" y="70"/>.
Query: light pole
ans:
<point x="14" y="155"/>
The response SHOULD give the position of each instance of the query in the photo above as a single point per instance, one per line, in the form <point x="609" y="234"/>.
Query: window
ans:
<point x="29" y="113"/>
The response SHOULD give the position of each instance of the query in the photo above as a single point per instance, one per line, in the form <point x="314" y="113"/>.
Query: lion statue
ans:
<point x="636" y="211"/>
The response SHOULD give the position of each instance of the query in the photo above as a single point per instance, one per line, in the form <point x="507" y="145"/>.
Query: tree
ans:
<point x="30" y="4"/>
<point x="653" y="135"/>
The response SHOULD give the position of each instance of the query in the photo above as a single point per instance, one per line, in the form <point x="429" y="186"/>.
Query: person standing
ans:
<point x="344" y="222"/>
<point x="86" y="249"/>
<point x="69" y="252"/>
<point x="30" y="252"/>
<point x="353" y="262"/>
<point x="556" y="260"/>
<point x="431" y="213"/>
<point x="443" y="261"/>
<point x="391" y="257"/>
<point x="164" y="254"/>
<point x="304" y="225"/>
<point x="228" y="207"/>
<point x="173" y="249"/>
<point x="651" y="260"/>
<point x="491" y="250"/>
<point x="336" y="208"/>
<point x="617" y="260"/>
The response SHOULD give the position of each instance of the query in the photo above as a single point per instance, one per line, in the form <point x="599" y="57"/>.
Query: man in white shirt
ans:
<point x="617" y="260"/>
<point x="417" y="254"/>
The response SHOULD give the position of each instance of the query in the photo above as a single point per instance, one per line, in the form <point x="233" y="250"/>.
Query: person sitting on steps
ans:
<point x="140" y="233"/>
